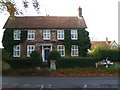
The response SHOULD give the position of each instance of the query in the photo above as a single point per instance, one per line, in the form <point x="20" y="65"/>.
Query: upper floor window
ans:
<point x="31" y="35"/>
<point x="16" y="51"/>
<point x="17" y="34"/>
<point x="74" y="50"/>
<point x="61" y="49"/>
<point x="74" y="35"/>
<point x="30" y="49"/>
<point x="60" y="34"/>
<point x="46" y="34"/>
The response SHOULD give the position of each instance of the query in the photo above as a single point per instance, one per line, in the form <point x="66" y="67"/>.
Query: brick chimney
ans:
<point x="79" y="12"/>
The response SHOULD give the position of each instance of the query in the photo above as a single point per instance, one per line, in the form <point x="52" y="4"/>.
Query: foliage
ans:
<point x="83" y="42"/>
<point x="111" y="70"/>
<point x="12" y="7"/>
<point x="102" y="51"/>
<point x="8" y="40"/>
<point x="22" y="63"/>
<point x="5" y="55"/>
<point x="75" y="63"/>
<point x="36" y="58"/>
<point x="5" y="66"/>
<point x="53" y="55"/>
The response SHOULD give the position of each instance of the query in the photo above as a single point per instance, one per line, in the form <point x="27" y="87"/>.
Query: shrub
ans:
<point x="36" y="59"/>
<point x="53" y="55"/>
<point x="5" y="66"/>
<point x="19" y="62"/>
<point x="5" y="55"/>
<point x="76" y="63"/>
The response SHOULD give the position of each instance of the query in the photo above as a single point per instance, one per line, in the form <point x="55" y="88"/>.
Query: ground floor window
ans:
<point x="30" y="49"/>
<point x="74" y="50"/>
<point x="61" y="49"/>
<point x="16" y="51"/>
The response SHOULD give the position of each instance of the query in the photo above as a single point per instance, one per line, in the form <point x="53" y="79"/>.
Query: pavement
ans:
<point x="58" y="83"/>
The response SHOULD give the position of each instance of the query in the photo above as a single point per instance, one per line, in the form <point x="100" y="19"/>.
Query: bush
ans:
<point x="53" y="55"/>
<point x="36" y="59"/>
<point x="19" y="62"/>
<point x="76" y="63"/>
<point x="5" y="55"/>
<point x="5" y="66"/>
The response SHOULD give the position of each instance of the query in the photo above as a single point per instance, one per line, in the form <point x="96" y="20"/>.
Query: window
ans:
<point x="74" y="50"/>
<point x="46" y="34"/>
<point x="30" y="49"/>
<point x="60" y="34"/>
<point x="16" y="51"/>
<point x="74" y="35"/>
<point x="61" y="49"/>
<point x="17" y="34"/>
<point x="31" y="35"/>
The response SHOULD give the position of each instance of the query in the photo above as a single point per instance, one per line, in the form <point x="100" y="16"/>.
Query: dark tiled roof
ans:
<point x="45" y="22"/>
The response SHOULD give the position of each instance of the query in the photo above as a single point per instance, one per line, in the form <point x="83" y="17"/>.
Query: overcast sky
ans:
<point x="101" y="16"/>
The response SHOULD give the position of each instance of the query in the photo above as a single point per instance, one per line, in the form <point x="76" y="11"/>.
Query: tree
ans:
<point x="11" y="6"/>
<point x="102" y="51"/>
<point x="83" y="42"/>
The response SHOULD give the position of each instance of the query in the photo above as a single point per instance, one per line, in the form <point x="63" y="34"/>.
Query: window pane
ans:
<point x="46" y="34"/>
<point x="16" y="51"/>
<point x="60" y="34"/>
<point x="17" y="34"/>
<point x="74" y="50"/>
<point x="61" y="49"/>
<point x="31" y="34"/>
<point x="30" y="49"/>
<point x="74" y="34"/>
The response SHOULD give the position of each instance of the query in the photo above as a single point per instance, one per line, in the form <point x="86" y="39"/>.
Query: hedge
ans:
<point x="76" y="63"/>
<point x="21" y="62"/>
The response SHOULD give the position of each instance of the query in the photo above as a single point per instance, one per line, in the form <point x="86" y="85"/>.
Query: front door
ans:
<point x="46" y="53"/>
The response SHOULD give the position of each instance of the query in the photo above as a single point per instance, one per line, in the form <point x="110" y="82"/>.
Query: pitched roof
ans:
<point x="46" y="22"/>
<point x="94" y="43"/>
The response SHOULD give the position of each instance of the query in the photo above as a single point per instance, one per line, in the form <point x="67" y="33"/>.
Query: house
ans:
<point x="112" y="44"/>
<point x="45" y="33"/>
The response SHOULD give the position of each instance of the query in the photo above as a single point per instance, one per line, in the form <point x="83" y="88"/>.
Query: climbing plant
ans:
<point x="8" y="41"/>
<point x="83" y="42"/>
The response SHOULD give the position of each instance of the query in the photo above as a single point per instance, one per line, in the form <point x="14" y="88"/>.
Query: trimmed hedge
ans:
<point x="21" y="62"/>
<point x="76" y="63"/>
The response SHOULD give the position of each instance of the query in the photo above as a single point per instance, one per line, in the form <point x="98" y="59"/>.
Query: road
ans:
<point x="59" y="82"/>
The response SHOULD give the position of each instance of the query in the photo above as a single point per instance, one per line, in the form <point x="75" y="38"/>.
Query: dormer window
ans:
<point x="17" y="34"/>
<point x="31" y="35"/>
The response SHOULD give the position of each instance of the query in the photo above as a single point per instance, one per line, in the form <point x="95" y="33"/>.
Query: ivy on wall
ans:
<point x="83" y="42"/>
<point x="8" y="41"/>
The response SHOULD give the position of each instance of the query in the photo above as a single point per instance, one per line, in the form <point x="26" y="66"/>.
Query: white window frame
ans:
<point x="74" y="50"/>
<point x="46" y="34"/>
<point x="16" y="34"/>
<point x="61" y="49"/>
<point x="74" y="34"/>
<point x="30" y="49"/>
<point x="60" y="34"/>
<point x="16" y="51"/>
<point x="31" y="35"/>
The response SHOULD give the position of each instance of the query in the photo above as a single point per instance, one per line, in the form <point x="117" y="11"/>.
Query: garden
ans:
<point x="65" y="66"/>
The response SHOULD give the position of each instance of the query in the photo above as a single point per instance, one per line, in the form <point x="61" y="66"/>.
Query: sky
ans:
<point x="101" y="16"/>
